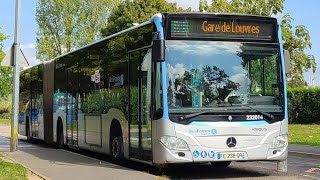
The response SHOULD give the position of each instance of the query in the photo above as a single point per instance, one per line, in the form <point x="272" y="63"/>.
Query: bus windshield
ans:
<point x="220" y="76"/>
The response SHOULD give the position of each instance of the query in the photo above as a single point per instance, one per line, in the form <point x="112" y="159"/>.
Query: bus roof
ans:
<point x="150" y="21"/>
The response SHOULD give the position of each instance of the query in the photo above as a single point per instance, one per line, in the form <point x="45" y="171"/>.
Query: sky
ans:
<point x="303" y="12"/>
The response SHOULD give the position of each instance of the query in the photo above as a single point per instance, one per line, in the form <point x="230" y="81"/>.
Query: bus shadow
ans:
<point x="66" y="157"/>
<point x="178" y="171"/>
<point x="196" y="171"/>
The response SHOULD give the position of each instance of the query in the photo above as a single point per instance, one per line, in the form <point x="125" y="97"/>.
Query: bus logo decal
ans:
<point x="204" y="154"/>
<point x="231" y="142"/>
<point x="195" y="153"/>
<point x="213" y="131"/>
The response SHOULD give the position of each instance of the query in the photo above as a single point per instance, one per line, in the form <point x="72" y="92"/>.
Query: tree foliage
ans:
<point x="255" y="7"/>
<point x="137" y="11"/>
<point x="5" y="72"/>
<point x="297" y="39"/>
<point x="67" y="25"/>
<point x="214" y="82"/>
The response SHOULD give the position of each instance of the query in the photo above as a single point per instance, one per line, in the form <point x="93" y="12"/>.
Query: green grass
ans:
<point x="5" y="121"/>
<point x="12" y="171"/>
<point x="305" y="134"/>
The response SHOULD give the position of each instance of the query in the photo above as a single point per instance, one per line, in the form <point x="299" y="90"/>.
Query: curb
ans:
<point x="30" y="169"/>
<point x="304" y="154"/>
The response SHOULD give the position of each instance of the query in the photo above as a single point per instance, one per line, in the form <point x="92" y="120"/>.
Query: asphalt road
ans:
<point x="298" y="167"/>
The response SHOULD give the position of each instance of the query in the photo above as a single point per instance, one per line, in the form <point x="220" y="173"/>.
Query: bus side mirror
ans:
<point x="287" y="61"/>
<point x="158" y="50"/>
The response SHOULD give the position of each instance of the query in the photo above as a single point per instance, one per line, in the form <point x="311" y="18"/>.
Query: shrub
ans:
<point x="5" y="106"/>
<point x="5" y="116"/>
<point x="102" y="100"/>
<point x="304" y="105"/>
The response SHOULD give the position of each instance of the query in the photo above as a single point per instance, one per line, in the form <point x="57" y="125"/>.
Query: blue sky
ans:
<point x="303" y="12"/>
<point x="28" y="26"/>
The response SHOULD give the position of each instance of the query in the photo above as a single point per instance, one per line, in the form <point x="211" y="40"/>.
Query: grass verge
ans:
<point x="5" y="121"/>
<point x="305" y="134"/>
<point x="12" y="171"/>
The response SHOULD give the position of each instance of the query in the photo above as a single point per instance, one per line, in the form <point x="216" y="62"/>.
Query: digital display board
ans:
<point x="222" y="28"/>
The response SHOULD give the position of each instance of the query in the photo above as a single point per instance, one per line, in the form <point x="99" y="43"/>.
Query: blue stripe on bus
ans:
<point x="283" y="73"/>
<point x="158" y="22"/>
<point x="230" y="123"/>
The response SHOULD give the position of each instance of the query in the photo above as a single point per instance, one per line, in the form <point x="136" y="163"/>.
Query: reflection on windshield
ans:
<point x="203" y="74"/>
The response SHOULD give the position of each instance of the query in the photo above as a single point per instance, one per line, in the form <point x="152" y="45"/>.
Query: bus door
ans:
<point x="72" y="106"/>
<point x="140" y="98"/>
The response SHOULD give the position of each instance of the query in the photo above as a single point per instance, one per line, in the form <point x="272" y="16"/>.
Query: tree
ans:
<point x="297" y="39"/>
<point x="220" y="80"/>
<point x="5" y="72"/>
<point x="214" y="82"/>
<point x="255" y="7"/>
<point x="136" y="11"/>
<point x="67" y="25"/>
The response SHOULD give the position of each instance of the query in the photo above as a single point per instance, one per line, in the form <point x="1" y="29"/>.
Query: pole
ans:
<point x="16" y="78"/>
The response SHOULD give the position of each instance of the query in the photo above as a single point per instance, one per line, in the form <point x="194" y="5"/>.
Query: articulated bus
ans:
<point x="180" y="88"/>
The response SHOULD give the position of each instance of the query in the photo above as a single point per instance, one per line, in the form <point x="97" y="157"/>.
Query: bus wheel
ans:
<point x="60" y="143"/>
<point x="222" y="164"/>
<point x="116" y="147"/>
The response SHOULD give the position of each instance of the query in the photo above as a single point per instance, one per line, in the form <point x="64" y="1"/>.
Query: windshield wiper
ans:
<point x="193" y="115"/>
<point x="270" y="116"/>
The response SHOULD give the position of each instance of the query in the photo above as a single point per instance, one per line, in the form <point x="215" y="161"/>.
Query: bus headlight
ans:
<point x="280" y="141"/>
<point x="174" y="143"/>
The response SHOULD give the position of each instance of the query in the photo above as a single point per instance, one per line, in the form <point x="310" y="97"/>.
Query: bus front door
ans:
<point x="140" y="98"/>
<point x="72" y="106"/>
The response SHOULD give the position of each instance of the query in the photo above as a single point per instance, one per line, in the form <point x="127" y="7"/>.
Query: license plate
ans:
<point x="232" y="156"/>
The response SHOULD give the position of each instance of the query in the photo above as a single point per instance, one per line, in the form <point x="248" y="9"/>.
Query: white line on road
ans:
<point x="295" y="163"/>
<point x="311" y="176"/>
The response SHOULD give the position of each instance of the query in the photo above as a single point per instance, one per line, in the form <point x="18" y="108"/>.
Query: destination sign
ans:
<point x="220" y="28"/>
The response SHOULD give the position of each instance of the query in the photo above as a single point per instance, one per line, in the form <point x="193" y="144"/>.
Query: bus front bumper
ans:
<point x="198" y="154"/>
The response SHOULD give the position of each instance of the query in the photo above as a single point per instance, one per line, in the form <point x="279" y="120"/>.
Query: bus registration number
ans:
<point x="232" y="156"/>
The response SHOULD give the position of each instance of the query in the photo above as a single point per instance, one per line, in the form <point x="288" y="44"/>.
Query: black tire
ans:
<point x="116" y="148"/>
<point x="60" y="142"/>
<point x="222" y="164"/>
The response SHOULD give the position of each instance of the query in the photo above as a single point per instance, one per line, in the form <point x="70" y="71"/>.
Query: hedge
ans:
<point x="304" y="105"/>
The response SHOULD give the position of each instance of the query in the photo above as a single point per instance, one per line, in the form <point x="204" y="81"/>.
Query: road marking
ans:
<point x="294" y="164"/>
<point x="311" y="176"/>
<point x="312" y="170"/>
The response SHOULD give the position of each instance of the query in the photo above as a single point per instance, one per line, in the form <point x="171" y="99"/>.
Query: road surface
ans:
<point x="298" y="167"/>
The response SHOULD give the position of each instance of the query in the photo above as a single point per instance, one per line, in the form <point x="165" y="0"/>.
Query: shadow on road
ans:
<point x="179" y="171"/>
<point x="64" y="158"/>
<point x="196" y="171"/>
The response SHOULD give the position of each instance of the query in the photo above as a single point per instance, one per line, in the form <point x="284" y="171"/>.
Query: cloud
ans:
<point x="175" y="72"/>
<point x="239" y="69"/>
<point x="200" y="48"/>
<point x="240" y="76"/>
